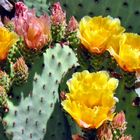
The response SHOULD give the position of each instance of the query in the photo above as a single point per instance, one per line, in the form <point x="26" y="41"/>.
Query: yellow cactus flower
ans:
<point x="7" y="39"/>
<point x="95" y="33"/>
<point x="91" y="98"/>
<point x="126" y="50"/>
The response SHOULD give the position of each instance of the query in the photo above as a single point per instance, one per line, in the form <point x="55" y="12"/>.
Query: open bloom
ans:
<point x="126" y="50"/>
<point x="34" y="30"/>
<point x="91" y="98"/>
<point x="96" y="32"/>
<point x="7" y="39"/>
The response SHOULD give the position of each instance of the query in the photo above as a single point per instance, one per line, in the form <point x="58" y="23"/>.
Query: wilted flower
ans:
<point x="119" y="121"/>
<point x="91" y="98"/>
<point x="105" y="132"/>
<point x="96" y="32"/>
<point x="126" y="50"/>
<point x="58" y="16"/>
<point x="7" y="39"/>
<point x="34" y="30"/>
<point x="124" y="137"/>
<point x="21" y="9"/>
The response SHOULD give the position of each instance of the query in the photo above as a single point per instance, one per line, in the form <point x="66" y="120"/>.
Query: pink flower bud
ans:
<point x="73" y="24"/>
<point x="21" y="8"/>
<point x="119" y="121"/>
<point x="58" y="16"/>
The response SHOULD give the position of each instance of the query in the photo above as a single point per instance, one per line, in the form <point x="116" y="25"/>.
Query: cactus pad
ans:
<point x="38" y="111"/>
<point x="128" y="11"/>
<point x="41" y="6"/>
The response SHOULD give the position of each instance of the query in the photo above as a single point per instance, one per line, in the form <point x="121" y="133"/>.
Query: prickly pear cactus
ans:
<point x="41" y="6"/>
<point x="125" y="91"/>
<point x="126" y="97"/>
<point x="35" y="112"/>
<point x="128" y="11"/>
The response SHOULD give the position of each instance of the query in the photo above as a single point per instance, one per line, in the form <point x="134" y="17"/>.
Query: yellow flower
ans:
<point x="96" y="32"/>
<point x="126" y="50"/>
<point x="7" y="39"/>
<point x="91" y="98"/>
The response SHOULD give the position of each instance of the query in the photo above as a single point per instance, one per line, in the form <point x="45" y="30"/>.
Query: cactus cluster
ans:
<point x="49" y="61"/>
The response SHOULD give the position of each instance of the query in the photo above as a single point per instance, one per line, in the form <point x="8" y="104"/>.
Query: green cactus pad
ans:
<point x="41" y="6"/>
<point x="126" y="97"/>
<point x="127" y="10"/>
<point x="37" y="114"/>
<point x="2" y="134"/>
<point x="129" y="13"/>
